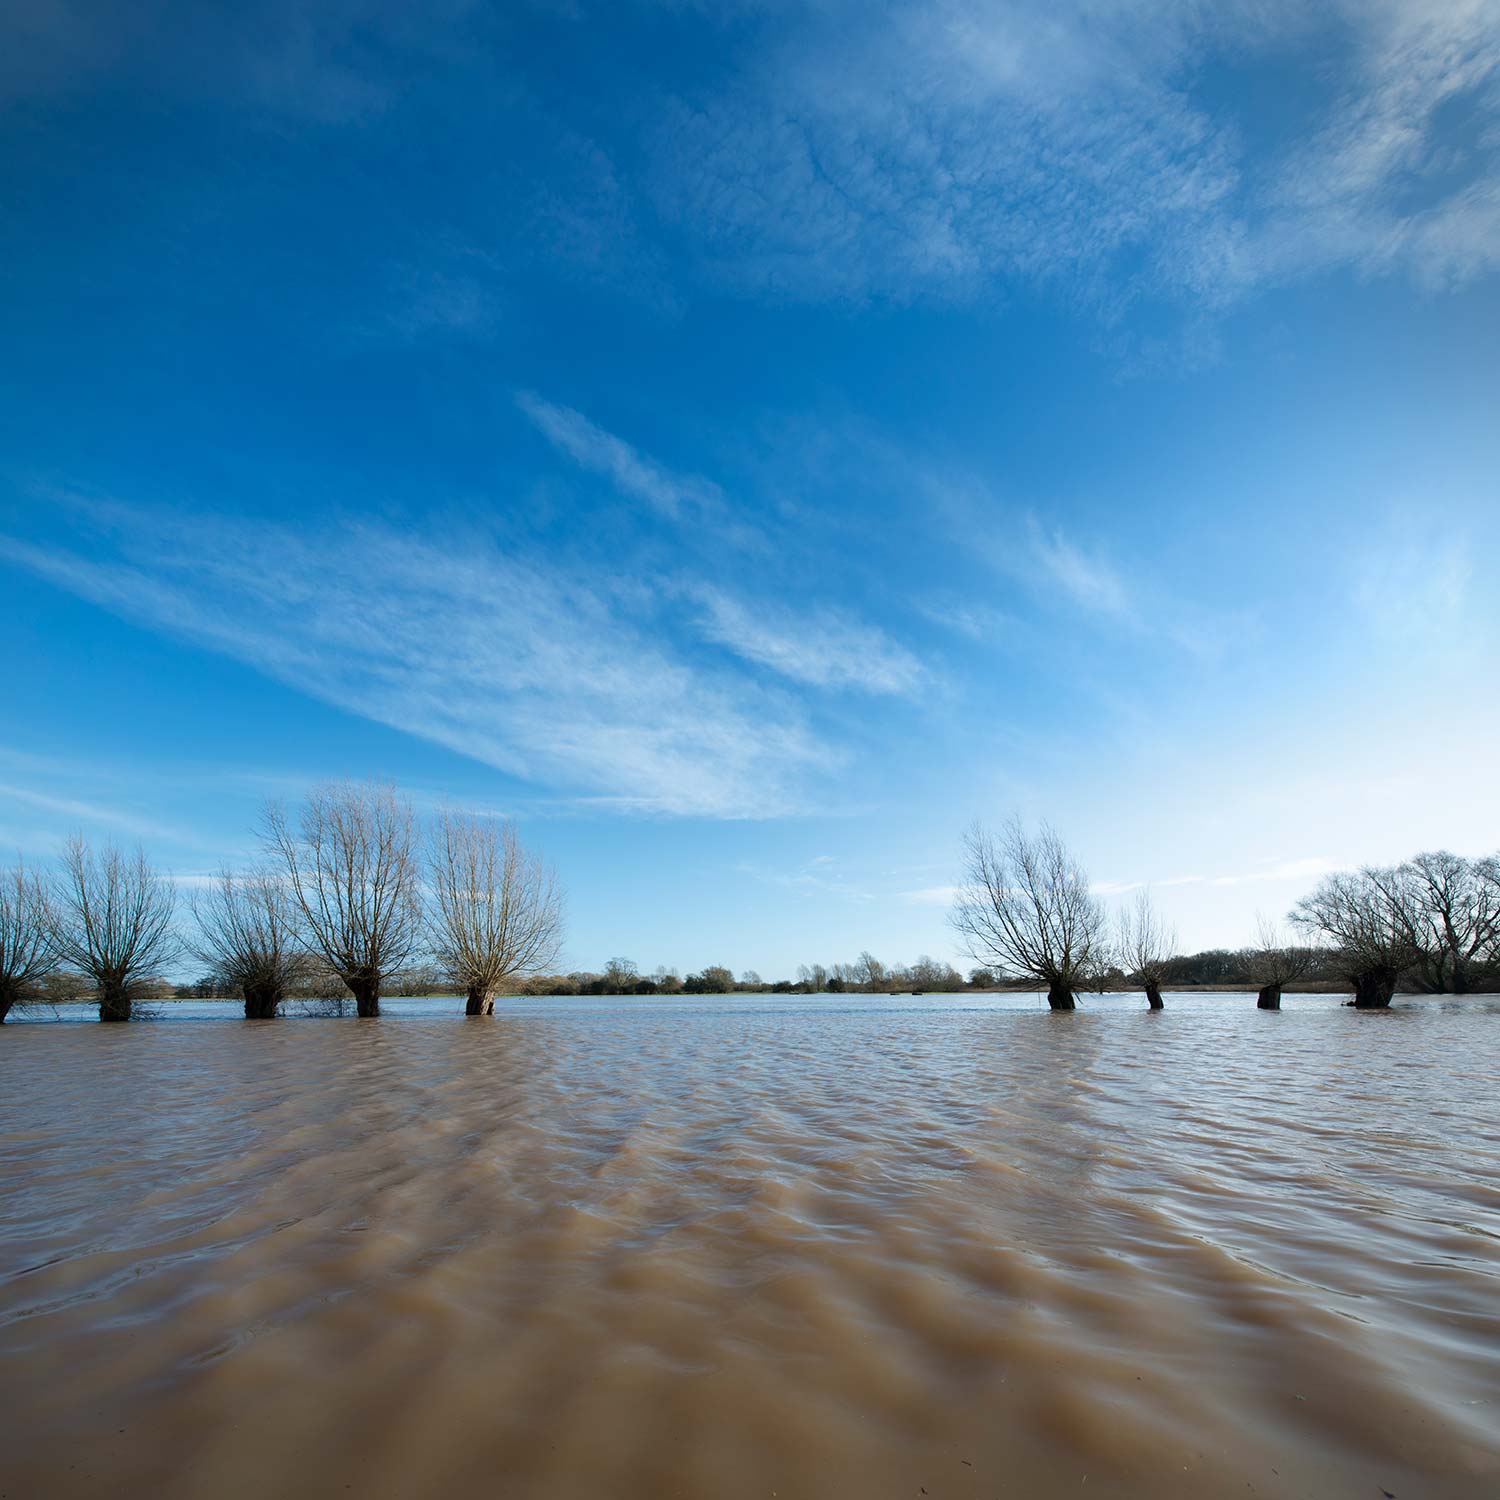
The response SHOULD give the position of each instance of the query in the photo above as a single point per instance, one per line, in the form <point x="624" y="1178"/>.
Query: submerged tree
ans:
<point x="249" y="936"/>
<point x="353" y="870"/>
<point x="1147" y="945"/>
<point x="1275" y="962"/>
<point x="498" y="913"/>
<point x="1451" y="909"/>
<point x="114" y="922"/>
<point x="1360" y="914"/>
<point x="28" y="952"/>
<point x="1025" y="908"/>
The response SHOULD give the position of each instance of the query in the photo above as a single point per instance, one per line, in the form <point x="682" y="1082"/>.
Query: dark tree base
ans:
<point x="114" y="1004"/>
<point x="1060" y="997"/>
<point x="366" y="996"/>
<point x="1374" y="991"/>
<point x="1269" y="997"/>
<point x="262" y="1002"/>
<point x="481" y="1002"/>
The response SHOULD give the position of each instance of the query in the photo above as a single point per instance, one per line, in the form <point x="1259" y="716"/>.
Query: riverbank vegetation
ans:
<point x="1432" y="924"/>
<point x="357" y="897"/>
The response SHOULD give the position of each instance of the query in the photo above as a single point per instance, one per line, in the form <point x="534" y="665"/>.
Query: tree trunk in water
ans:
<point x="1060" y="996"/>
<point x="114" y="1002"/>
<point x="262" y="1001"/>
<point x="1374" y="991"/>
<point x="481" y="1001"/>
<point x="1269" y="997"/>
<point x="1153" y="997"/>
<point x="6" y="1001"/>
<point x="366" y="990"/>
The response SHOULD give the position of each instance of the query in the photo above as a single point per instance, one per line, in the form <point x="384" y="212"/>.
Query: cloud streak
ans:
<point x="945" y="147"/>
<point x="825" y="648"/>
<point x="1088" y="581"/>
<point x="689" y="499"/>
<point x="501" y="657"/>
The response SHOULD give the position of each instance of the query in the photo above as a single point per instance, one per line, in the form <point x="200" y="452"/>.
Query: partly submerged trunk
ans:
<point x="481" y="1001"/>
<point x="7" y="999"/>
<point x="1153" y="996"/>
<point x="1269" y="997"/>
<point x="1060" y="996"/>
<point x="1373" y="991"/>
<point x="366" y="991"/>
<point x="262" y="1001"/>
<point x="114" y="1001"/>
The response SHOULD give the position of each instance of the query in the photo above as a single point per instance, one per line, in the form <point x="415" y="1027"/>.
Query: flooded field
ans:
<point x="804" y="1248"/>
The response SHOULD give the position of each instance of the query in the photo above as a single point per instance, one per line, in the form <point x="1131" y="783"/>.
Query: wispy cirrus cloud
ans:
<point x="84" y="813"/>
<point x="500" y="656"/>
<point x="687" y="498"/>
<point x="1303" y="868"/>
<point x="949" y="147"/>
<point x="931" y="895"/>
<point x="79" y="795"/>
<point x="822" y="876"/>
<point x="822" y="647"/>
<point x="1086" y="578"/>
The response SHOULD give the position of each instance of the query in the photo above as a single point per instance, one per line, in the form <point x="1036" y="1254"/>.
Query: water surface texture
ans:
<point x="833" y="1247"/>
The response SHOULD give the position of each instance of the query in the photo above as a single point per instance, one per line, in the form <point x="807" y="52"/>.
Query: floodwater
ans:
<point x="817" y="1249"/>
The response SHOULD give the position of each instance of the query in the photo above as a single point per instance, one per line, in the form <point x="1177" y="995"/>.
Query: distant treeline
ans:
<point x="358" y="897"/>
<point x="1224" y="968"/>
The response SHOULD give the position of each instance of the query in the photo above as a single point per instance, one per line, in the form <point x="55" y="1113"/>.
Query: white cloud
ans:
<point x="508" y="659"/>
<point x="824" y="648"/>
<point x="978" y="622"/>
<point x="1305" y="868"/>
<point x="84" y="813"/>
<point x="1088" y="580"/>
<point x="821" y="876"/>
<point x="1312" y="867"/>
<point x="932" y="895"/>
<point x="938" y="147"/>
<point x="678" y="497"/>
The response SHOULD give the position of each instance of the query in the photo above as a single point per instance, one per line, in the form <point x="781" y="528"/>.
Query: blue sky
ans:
<point x="747" y="442"/>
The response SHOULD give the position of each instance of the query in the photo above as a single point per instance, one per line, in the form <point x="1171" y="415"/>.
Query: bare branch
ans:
<point x="249" y="934"/>
<point x="1147" y="945"/>
<point x="352" y="867"/>
<point x="114" y="921"/>
<point x="28" y="949"/>
<point x="498" y="914"/>
<point x="1366" y="916"/>
<point x="1025" y="908"/>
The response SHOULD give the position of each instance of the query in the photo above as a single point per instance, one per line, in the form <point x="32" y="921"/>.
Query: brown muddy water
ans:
<point x="842" y="1247"/>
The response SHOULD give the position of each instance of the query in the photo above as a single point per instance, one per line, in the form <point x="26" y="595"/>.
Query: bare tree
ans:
<point x="1451" y="908"/>
<point x="1275" y="962"/>
<point x="1147" y="945"/>
<point x="1025" y="908"/>
<point x="249" y="936"/>
<point x="114" y="922"/>
<point x="498" y="916"/>
<point x="1361" y="916"/>
<point x="353" y="869"/>
<point x="1487" y="870"/>
<point x="28" y="953"/>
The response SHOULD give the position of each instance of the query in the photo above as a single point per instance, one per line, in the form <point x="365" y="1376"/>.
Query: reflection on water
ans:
<point x="821" y="1248"/>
